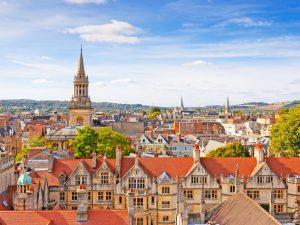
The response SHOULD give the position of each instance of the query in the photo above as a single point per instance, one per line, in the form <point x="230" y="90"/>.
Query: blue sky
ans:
<point x="152" y="52"/>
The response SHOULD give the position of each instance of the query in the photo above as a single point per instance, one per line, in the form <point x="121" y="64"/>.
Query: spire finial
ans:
<point x="81" y="71"/>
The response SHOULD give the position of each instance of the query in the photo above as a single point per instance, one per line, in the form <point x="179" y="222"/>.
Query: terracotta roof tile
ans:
<point x="284" y="166"/>
<point x="175" y="167"/>
<point x="227" y="165"/>
<point x="63" y="217"/>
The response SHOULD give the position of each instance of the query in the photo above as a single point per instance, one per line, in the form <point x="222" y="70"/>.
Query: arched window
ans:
<point x="79" y="121"/>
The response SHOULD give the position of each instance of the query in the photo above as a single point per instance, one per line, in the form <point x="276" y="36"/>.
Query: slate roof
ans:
<point x="232" y="212"/>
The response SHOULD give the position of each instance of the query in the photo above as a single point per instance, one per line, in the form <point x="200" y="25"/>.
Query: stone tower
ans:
<point x="81" y="110"/>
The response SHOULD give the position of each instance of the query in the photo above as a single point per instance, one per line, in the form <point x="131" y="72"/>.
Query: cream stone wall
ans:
<point x="6" y="172"/>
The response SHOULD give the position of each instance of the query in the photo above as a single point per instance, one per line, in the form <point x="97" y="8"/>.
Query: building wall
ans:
<point x="6" y="172"/>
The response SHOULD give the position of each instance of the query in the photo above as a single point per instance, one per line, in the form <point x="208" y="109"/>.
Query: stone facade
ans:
<point x="152" y="188"/>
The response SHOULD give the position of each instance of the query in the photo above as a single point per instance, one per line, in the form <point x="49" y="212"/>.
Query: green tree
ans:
<point x="235" y="149"/>
<point x="108" y="141"/>
<point x="23" y="153"/>
<point x="33" y="141"/>
<point x="154" y="109"/>
<point x="285" y="133"/>
<point x="36" y="141"/>
<point x="85" y="142"/>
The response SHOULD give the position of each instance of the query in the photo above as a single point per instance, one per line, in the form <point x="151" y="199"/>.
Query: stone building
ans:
<point x="6" y="171"/>
<point x="81" y="110"/>
<point x="150" y="188"/>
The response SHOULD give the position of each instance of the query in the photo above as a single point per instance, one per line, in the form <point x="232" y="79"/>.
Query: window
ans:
<point x="278" y="193"/>
<point x="253" y="194"/>
<point x="260" y="179"/>
<point x="138" y="202"/>
<point x="278" y="208"/>
<point x="74" y="207"/>
<point x="100" y="196"/>
<point x="298" y="188"/>
<point x="269" y="179"/>
<point x="120" y="200"/>
<point x="74" y="196"/>
<point x="81" y="180"/>
<point x="89" y="196"/>
<point x="62" y="196"/>
<point x="139" y="221"/>
<point x="210" y="194"/>
<point x="137" y="183"/>
<point x="165" y="218"/>
<point x="62" y="180"/>
<point x="165" y="204"/>
<point x="104" y="178"/>
<point x="188" y="194"/>
<point x="199" y="179"/>
<point x="152" y="200"/>
<point x="108" y="196"/>
<point x="232" y="189"/>
<point x="165" y="190"/>
<point x="264" y="179"/>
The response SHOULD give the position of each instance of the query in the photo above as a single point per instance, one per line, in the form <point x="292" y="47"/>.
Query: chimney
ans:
<point x="118" y="158"/>
<point x="259" y="153"/>
<point x="82" y="204"/>
<point x="131" y="206"/>
<point x="50" y="161"/>
<point x="196" y="153"/>
<point x="94" y="160"/>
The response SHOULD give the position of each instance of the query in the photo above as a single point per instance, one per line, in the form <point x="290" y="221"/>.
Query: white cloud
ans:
<point x="247" y="22"/>
<point x="123" y="81"/>
<point x="197" y="63"/>
<point x="114" y="32"/>
<point x="40" y="81"/>
<point x="79" y="2"/>
<point x="44" y="57"/>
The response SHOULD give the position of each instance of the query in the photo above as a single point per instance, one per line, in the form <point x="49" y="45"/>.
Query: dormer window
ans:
<point x="62" y="179"/>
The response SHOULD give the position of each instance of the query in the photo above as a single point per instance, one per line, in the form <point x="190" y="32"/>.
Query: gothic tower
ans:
<point x="81" y="110"/>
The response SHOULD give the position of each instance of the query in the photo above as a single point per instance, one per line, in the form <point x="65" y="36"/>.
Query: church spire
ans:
<point x="81" y="71"/>
<point x="181" y="103"/>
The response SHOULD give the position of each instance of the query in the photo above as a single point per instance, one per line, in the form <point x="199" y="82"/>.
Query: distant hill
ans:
<point x="20" y="105"/>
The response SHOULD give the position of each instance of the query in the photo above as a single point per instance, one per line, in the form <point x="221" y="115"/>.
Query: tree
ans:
<point x="103" y="142"/>
<point x="85" y="142"/>
<point x="33" y="141"/>
<point x="108" y="141"/>
<point x="285" y="133"/>
<point x="154" y="109"/>
<point x="235" y="149"/>
<point x="36" y="141"/>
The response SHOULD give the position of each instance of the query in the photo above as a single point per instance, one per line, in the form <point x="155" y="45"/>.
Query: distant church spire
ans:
<point x="81" y="71"/>
<point x="181" y="103"/>
<point x="227" y="107"/>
